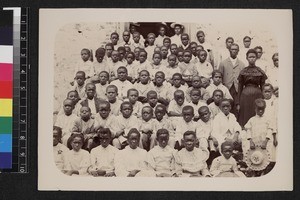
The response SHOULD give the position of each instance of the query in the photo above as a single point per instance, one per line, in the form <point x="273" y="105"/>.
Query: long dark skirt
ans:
<point x="247" y="107"/>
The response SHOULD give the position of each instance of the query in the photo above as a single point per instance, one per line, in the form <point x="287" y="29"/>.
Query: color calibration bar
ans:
<point x="6" y="88"/>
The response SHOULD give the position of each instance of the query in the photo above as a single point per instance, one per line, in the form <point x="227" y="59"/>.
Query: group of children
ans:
<point x="160" y="110"/>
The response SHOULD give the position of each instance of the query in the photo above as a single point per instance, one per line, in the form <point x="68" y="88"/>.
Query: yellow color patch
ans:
<point x="6" y="107"/>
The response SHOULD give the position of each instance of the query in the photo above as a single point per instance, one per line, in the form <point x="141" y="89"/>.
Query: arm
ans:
<point x="85" y="164"/>
<point x="178" y="164"/>
<point x="120" y="169"/>
<point x="214" y="169"/>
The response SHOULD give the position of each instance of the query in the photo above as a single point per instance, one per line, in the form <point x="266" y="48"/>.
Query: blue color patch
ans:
<point x="5" y="143"/>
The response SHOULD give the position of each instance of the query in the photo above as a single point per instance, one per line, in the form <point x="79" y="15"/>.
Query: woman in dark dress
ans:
<point x="251" y="80"/>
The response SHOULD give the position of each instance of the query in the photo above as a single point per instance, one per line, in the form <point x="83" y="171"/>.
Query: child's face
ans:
<point x="99" y="57"/>
<point x="267" y="92"/>
<point x="189" y="142"/>
<point x="251" y="58"/>
<point x="162" y="31"/>
<point x="104" y="139"/>
<point x="103" y="78"/>
<point x="142" y="57"/>
<point x="76" y="144"/>
<point x="85" y="113"/>
<point x="259" y="53"/>
<point x="114" y="39"/>
<point x="188" y="114"/>
<point x="85" y="55"/>
<point x="276" y="61"/>
<point x="108" y="50"/>
<point x="179" y="98"/>
<point x="247" y="42"/>
<point x="152" y="99"/>
<point x="194" y="49"/>
<point x="133" y="96"/>
<point x="151" y="39"/>
<point x="201" y="37"/>
<point x="126" y="111"/>
<point x="56" y="137"/>
<point x="177" y="30"/>
<point x="159" y="79"/>
<point x="202" y="56"/>
<point x="126" y="36"/>
<point x="133" y="140"/>
<point x="157" y="50"/>
<point x="173" y="49"/>
<point x="156" y="59"/>
<point x="121" y="54"/>
<point x="104" y="110"/>
<point x="167" y="43"/>
<point x="136" y="53"/>
<point x="130" y="59"/>
<point x="217" y="97"/>
<point x="259" y="111"/>
<point x="195" y="96"/>
<point x="147" y="114"/>
<point x="73" y="96"/>
<point x="144" y="77"/>
<point x="199" y="48"/>
<point x="80" y="78"/>
<point x="115" y="56"/>
<point x="90" y="91"/>
<point x="204" y="115"/>
<point x="136" y="38"/>
<point x="233" y="50"/>
<point x="177" y="81"/>
<point x="180" y="56"/>
<point x="205" y="82"/>
<point x="127" y="48"/>
<point x="227" y="151"/>
<point x="111" y="94"/>
<point x="187" y="56"/>
<point x="160" y="113"/>
<point x="225" y="107"/>
<point x="122" y="74"/>
<point x="68" y="106"/>
<point x="217" y="79"/>
<point x="163" y="140"/>
<point x="184" y="40"/>
<point x="196" y="82"/>
<point x="164" y="51"/>
<point x="229" y="43"/>
<point x="172" y="61"/>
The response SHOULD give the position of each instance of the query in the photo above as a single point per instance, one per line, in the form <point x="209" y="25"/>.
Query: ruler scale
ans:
<point x="20" y="91"/>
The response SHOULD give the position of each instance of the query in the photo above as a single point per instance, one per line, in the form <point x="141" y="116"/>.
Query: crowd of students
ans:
<point x="167" y="107"/>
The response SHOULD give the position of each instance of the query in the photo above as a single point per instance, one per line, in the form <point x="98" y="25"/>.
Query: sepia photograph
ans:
<point x="165" y="99"/>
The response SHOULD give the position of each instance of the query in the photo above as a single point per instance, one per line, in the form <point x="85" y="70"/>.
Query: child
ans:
<point x="164" y="55"/>
<point x="114" y="38"/>
<point x="197" y="84"/>
<point x="151" y="46"/>
<point x="178" y="28"/>
<point x="59" y="150"/>
<point x="126" y="121"/>
<point x="161" y="89"/>
<point x="77" y="159"/>
<point x="167" y="43"/>
<point x="65" y="121"/>
<point x="86" y="126"/>
<point x="131" y="161"/>
<point x="172" y="67"/>
<point x="191" y="161"/>
<point x="215" y="105"/>
<point x="177" y="85"/>
<point x="217" y="84"/>
<point x="185" y="41"/>
<point x="112" y="93"/>
<point x="180" y="55"/>
<point x="103" y="156"/>
<point x="109" y="47"/>
<point x="205" y="46"/>
<point x="101" y="87"/>
<point x="193" y="48"/>
<point x="73" y="95"/>
<point x="161" y="35"/>
<point x="114" y="65"/>
<point x="126" y="40"/>
<point x="156" y="65"/>
<point x="144" y="64"/>
<point x="91" y="100"/>
<point x="136" y="52"/>
<point x="131" y="67"/>
<point x="225" y="162"/>
<point x="132" y="95"/>
<point x="176" y="105"/>
<point x="173" y="49"/>
<point x="122" y="83"/>
<point x="152" y="99"/>
<point x="136" y="36"/>
<point x="146" y="128"/>
<point x="203" y="67"/>
<point x="122" y="52"/>
<point x="195" y="95"/>
<point x="86" y="65"/>
<point x="100" y="64"/>
<point x="161" y="159"/>
<point x="144" y="86"/>
<point x="188" y="69"/>
<point x="80" y="84"/>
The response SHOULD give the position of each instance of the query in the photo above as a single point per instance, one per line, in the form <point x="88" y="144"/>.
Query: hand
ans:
<point x="94" y="173"/>
<point x="252" y="145"/>
<point x="101" y="172"/>
<point x="264" y="144"/>
<point x="238" y="107"/>
<point x="110" y="174"/>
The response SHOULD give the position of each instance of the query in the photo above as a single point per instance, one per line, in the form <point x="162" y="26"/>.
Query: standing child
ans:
<point x="147" y="124"/>
<point x="86" y="65"/>
<point x="122" y="83"/>
<point x="180" y="55"/>
<point x="136" y="36"/>
<point x="59" y="150"/>
<point x="101" y="87"/>
<point x="161" y="89"/>
<point x="77" y="159"/>
<point x="178" y="28"/>
<point x="115" y="103"/>
<point x="131" y="67"/>
<point x="114" y="38"/>
<point x="151" y="46"/>
<point x="164" y="55"/>
<point x="144" y="86"/>
<point x="204" y="68"/>
<point x="193" y="48"/>
<point x="185" y="41"/>
<point x="188" y="69"/>
<point x="161" y="159"/>
<point x="132" y="95"/>
<point x="214" y="106"/>
<point x="191" y="161"/>
<point x="100" y="64"/>
<point x="161" y="34"/>
<point x="217" y="84"/>
<point x="103" y="156"/>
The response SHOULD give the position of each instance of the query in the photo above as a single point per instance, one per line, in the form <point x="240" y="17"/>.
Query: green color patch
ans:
<point x="6" y="125"/>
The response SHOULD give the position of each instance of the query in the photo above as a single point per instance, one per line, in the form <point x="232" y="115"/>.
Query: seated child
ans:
<point x="126" y="121"/>
<point x="161" y="159"/>
<point x="136" y="52"/>
<point x="65" y="121"/>
<point x="122" y="83"/>
<point x="103" y="156"/>
<point x="193" y="48"/>
<point x="150" y="48"/>
<point x="77" y="160"/>
<point x="215" y="105"/>
<point x="176" y="85"/>
<point x="156" y="65"/>
<point x="152" y="99"/>
<point x="86" y="65"/>
<point x="173" y="49"/>
<point x="147" y="124"/>
<point x="161" y="89"/>
<point x="188" y="69"/>
<point x="167" y="42"/>
<point x="101" y="87"/>
<point x="91" y="100"/>
<point x="122" y="53"/>
<point x="114" y="64"/>
<point x="131" y="161"/>
<point x="131" y="67"/>
<point x="115" y="103"/>
<point x="225" y="162"/>
<point x="144" y="86"/>
<point x="171" y="68"/>
<point x="176" y="105"/>
<point x="164" y="55"/>
<point x="191" y="161"/>
<point x="80" y="84"/>
<point x="136" y="36"/>
<point x="217" y="84"/>
<point x="59" y="150"/>
<point x="180" y="55"/>
<point x="100" y="64"/>
<point x="204" y="68"/>
<point x="86" y="126"/>
<point x="143" y="63"/>
<point x="195" y="95"/>
<point x="197" y="83"/>
<point x="132" y="95"/>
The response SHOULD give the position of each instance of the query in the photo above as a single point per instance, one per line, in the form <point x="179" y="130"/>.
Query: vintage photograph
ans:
<point x="164" y="98"/>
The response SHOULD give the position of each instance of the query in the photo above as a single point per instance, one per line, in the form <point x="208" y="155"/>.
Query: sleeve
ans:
<point x="173" y="169"/>
<point x="205" y="171"/>
<point x="227" y="93"/>
<point x="214" y="169"/>
<point x="67" y="164"/>
<point x="205" y="94"/>
<point x="120" y="169"/>
<point x="178" y="164"/>
<point x="248" y="127"/>
<point x="85" y="164"/>
<point x="234" y="165"/>
<point x="151" y="161"/>
<point x="93" y="160"/>
<point x="270" y="130"/>
<point x="76" y="128"/>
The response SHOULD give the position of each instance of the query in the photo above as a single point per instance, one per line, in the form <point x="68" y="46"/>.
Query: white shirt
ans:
<point x="183" y="126"/>
<point x="123" y="87"/>
<point x="59" y="152"/>
<point x="212" y="87"/>
<point x="92" y="106"/>
<point x="79" y="161"/>
<point x="103" y="158"/>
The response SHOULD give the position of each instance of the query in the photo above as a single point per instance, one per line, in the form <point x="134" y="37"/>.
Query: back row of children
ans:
<point x="123" y="92"/>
